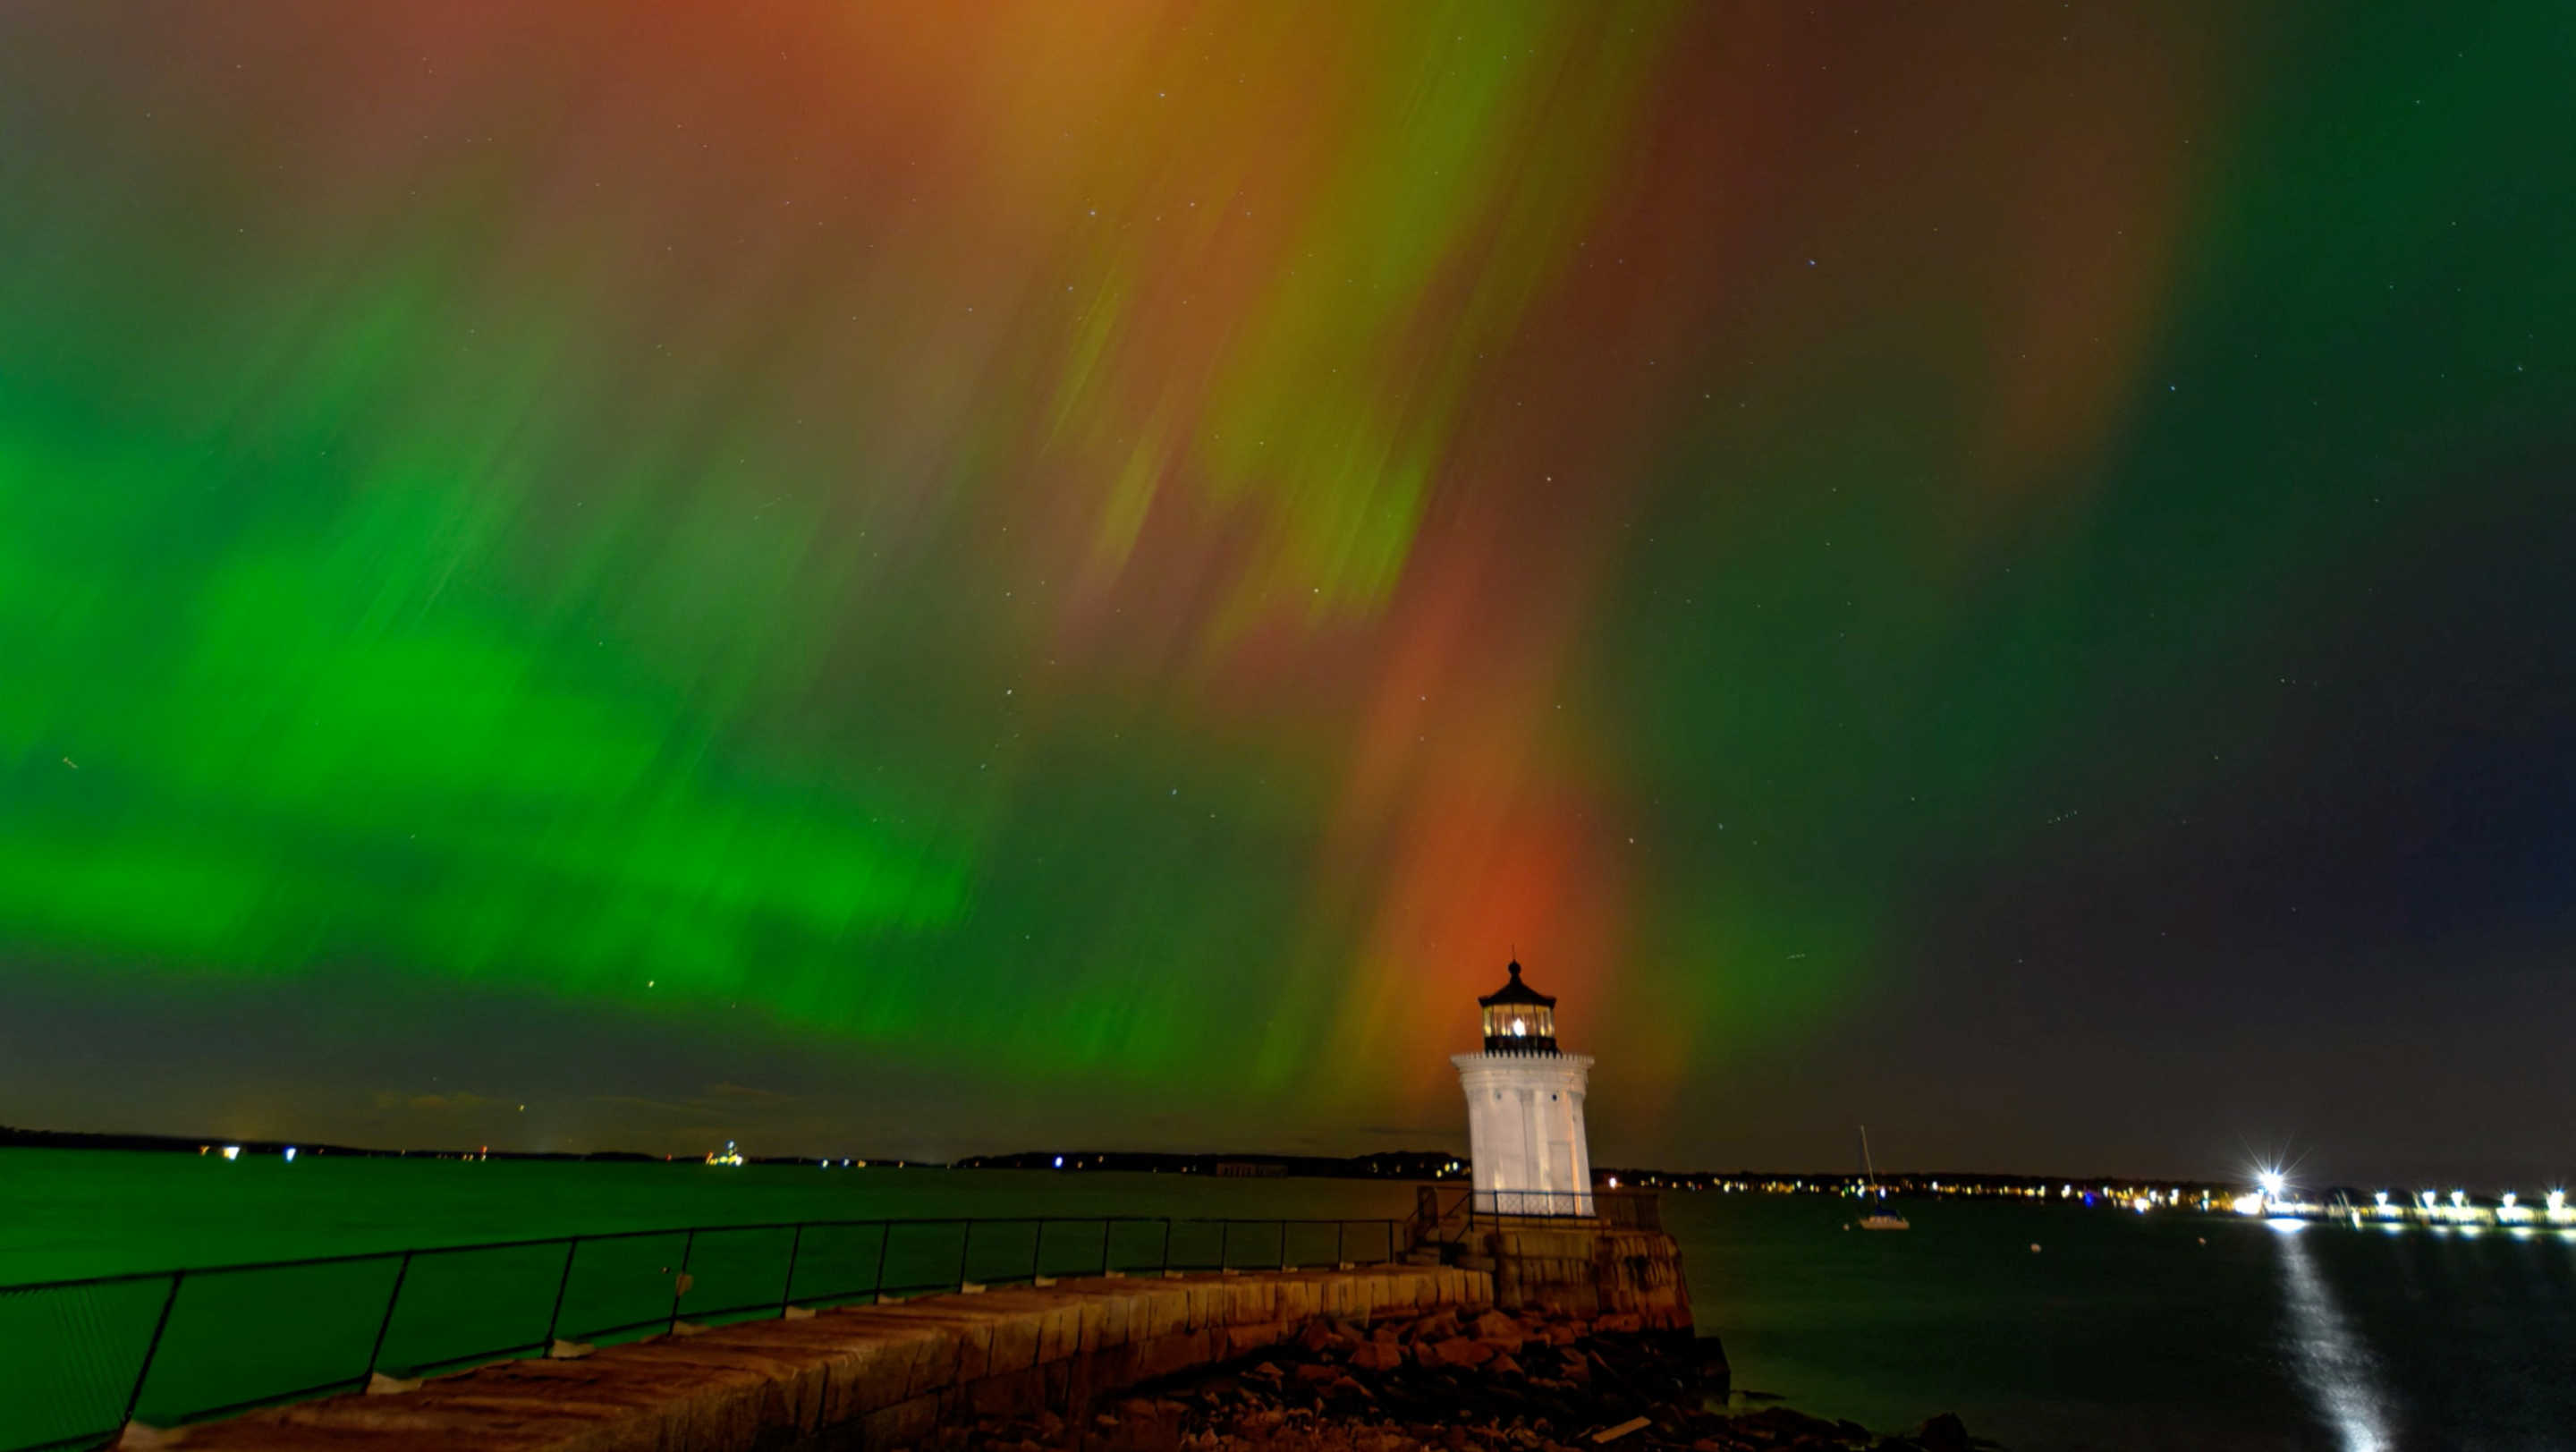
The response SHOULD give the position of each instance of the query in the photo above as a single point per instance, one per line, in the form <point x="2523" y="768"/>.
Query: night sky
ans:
<point x="928" y="579"/>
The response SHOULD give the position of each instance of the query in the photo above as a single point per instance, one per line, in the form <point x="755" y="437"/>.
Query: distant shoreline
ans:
<point x="1405" y="1165"/>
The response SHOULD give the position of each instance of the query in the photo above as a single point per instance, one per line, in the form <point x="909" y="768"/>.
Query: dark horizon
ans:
<point x="1300" y="1163"/>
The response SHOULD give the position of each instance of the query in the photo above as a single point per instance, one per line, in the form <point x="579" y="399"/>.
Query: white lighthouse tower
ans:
<point x="1525" y="1109"/>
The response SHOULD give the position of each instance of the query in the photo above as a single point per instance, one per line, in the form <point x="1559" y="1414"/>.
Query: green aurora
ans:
<point x="1096" y="579"/>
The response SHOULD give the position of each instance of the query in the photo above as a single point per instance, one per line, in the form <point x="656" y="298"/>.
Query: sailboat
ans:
<point x="1881" y="1218"/>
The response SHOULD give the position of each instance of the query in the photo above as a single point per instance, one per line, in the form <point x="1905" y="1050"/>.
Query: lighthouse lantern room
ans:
<point x="1525" y="1109"/>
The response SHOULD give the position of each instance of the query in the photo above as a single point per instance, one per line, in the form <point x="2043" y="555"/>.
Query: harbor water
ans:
<point x="2047" y="1328"/>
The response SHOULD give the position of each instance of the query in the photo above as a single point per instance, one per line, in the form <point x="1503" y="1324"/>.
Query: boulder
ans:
<point x="1377" y="1356"/>
<point x="1456" y="1351"/>
<point x="1437" y="1327"/>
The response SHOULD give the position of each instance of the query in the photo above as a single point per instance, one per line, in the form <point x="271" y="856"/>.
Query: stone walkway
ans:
<point x="861" y="1377"/>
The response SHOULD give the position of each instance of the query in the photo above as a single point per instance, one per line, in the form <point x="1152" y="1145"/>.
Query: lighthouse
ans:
<point x="1525" y="1108"/>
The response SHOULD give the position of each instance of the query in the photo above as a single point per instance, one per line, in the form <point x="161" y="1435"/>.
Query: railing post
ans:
<point x="151" y="1348"/>
<point x="1341" y="1242"/>
<point x="885" y="1241"/>
<point x="1224" y="1243"/>
<point x="1283" y="1242"/>
<point x="1105" y="1227"/>
<point x="795" y="1248"/>
<point x="554" y="1318"/>
<point x="1166" y="1266"/>
<point x="965" y="1245"/>
<point x="680" y="1282"/>
<point x="393" y="1298"/>
<point x="1037" y="1248"/>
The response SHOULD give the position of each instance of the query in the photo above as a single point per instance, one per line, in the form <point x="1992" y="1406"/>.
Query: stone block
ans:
<point x="871" y="1372"/>
<point x="1377" y="1356"/>
<point x="1092" y="1319"/>
<point x="1457" y="1351"/>
<point x="1256" y="1299"/>
<point x="969" y="1330"/>
<point x="1176" y="1352"/>
<point x="1009" y="1394"/>
<point x="1118" y="1316"/>
<point x="1209" y="1304"/>
<point x="1061" y="1336"/>
<point x="1170" y="1313"/>
<point x="755" y="1394"/>
<point x="907" y="1423"/>
<point x="1015" y="1342"/>
<point x="1104" y="1370"/>
<point x="1244" y="1340"/>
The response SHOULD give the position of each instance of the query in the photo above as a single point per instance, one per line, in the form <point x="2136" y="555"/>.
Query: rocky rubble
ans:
<point x="1490" y="1383"/>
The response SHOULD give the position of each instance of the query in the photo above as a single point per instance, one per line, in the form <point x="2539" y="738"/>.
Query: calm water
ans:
<point x="2121" y="1332"/>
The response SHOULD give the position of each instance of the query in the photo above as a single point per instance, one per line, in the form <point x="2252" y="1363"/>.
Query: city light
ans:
<point x="290" y="1154"/>
<point x="232" y="1151"/>
<point x="2271" y="1182"/>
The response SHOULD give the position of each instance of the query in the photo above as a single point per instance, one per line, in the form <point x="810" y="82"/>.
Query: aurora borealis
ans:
<point x="924" y="579"/>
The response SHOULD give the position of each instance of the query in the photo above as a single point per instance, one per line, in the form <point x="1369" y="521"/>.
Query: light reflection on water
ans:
<point x="2333" y="1367"/>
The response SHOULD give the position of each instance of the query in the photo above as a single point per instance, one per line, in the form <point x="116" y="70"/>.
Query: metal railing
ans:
<point x="175" y="1346"/>
<point x="1528" y="1204"/>
<point x="1630" y="1209"/>
<point x="1439" y="1217"/>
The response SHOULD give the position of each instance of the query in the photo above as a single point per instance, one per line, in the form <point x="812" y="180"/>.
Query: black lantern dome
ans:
<point x="1518" y="1018"/>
